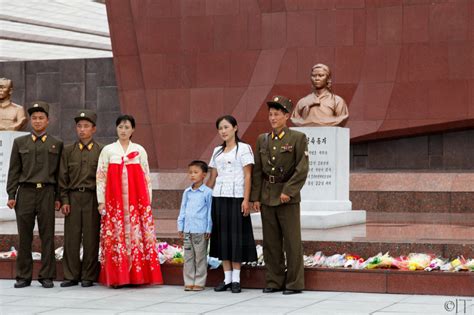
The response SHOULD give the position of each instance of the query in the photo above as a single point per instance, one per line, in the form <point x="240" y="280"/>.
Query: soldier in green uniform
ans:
<point x="77" y="184"/>
<point x="281" y="167"/>
<point x="33" y="193"/>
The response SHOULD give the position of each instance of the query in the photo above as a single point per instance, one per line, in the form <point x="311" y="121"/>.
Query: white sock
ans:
<point x="236" y="275"/>
<point x="227" y="277"/>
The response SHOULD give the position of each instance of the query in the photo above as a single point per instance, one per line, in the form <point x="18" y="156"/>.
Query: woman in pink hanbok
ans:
<point x="127" y="235"/>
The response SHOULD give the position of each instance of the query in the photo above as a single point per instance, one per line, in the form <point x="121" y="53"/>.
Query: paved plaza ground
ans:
<point x="173" y="300"/>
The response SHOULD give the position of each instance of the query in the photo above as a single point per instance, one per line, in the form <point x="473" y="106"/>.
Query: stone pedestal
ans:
<point x="6" y="143"/>
<point x="325" y="196"/>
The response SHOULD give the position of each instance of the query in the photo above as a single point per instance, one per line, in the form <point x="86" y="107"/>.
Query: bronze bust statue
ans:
<point x="321" y="107"/>
<point x="12" y="116"/>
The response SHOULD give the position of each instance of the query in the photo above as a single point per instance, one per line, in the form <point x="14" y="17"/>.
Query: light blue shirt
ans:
<point x="195" y="213"/>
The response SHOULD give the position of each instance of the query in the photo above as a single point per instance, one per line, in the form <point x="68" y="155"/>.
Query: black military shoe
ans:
<point x="87" y="283"/>
<point x="22" y="283"/>
<point x="289" y="292"/>
<point x="68" y="283"/>
<point x="236" y="287"/>
<point x="271" y="290"/>
<point x="46" y="283"/>
<point x="222" y="287"/>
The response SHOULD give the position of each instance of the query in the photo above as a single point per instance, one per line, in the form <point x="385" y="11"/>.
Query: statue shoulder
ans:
<point x="339" y="99"/>
<point x="17" y="106"/>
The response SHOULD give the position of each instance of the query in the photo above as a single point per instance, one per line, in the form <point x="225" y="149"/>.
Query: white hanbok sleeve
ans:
<point x="101" y="175"/>
<point x="146" y="169"/>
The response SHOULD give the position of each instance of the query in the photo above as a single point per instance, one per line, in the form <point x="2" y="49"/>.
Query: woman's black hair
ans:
<point x="233" y="122"/>
<point x="122" y="118"/>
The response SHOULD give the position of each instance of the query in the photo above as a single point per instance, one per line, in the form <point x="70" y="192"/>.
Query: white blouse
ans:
<point x="113" y="154"/>
<point x="230" y="170"/>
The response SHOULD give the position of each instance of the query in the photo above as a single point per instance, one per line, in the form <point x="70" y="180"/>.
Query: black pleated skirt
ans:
<point x="232" y="234"/>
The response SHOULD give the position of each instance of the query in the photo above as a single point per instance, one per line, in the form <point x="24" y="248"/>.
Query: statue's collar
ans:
<point x="5" y="103"/>
<point x="322" y="95"/>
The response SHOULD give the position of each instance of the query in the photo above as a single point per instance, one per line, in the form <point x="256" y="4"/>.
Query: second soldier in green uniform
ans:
<point x="281" y="167"/>
<point x="77" y="183"/>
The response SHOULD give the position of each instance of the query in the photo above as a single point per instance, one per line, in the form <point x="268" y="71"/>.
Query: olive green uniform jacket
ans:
<point x="32" y="182"/>
<point x="281" y="166"/>
<point x="77" y="183"/>
<point x="287" y="160"/>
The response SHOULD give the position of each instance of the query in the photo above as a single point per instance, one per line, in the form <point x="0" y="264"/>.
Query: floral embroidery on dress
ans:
<point x="126" y="257"/>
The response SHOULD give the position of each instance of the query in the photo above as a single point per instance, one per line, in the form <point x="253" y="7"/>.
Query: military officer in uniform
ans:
<point x="281" y="167"/>
<point x="79" y="203"/>
<point x="33" y="193"/>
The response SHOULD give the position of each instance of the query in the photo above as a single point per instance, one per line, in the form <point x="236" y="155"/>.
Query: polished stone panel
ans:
<point x="397" y="64"/>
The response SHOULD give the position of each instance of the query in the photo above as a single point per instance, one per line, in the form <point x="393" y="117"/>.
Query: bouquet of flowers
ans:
<point x="418" y="261"/>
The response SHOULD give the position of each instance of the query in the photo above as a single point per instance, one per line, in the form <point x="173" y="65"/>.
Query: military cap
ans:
<point x="39" y="106"/>
<point x="280" y="102"/>
<point x="86" y="114"/>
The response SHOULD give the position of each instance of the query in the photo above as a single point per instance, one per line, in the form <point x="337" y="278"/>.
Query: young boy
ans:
<point x="195" y="225"/>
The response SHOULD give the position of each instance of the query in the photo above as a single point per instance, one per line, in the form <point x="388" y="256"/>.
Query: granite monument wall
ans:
<point x="405" y="67"/>
<point x="440" y="151"/>
<point x="68" y="85"/>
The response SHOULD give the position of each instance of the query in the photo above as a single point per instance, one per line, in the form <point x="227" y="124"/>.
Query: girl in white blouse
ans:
<point x="232" y="238"/>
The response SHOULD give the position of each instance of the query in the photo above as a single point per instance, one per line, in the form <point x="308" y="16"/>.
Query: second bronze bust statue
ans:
<point x="321" y="107"/>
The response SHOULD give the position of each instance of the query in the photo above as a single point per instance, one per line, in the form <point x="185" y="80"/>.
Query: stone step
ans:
<point x="318" y="279"/>
<point x="371" y="201"/>
<point x="391" y="191"/>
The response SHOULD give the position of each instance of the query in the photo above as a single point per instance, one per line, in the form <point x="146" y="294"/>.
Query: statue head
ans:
<point x="321" y="76"/>
<point x="6" y="87"/>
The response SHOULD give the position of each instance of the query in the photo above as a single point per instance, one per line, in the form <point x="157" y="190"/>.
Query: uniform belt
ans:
<point x="274" y="179"/>
<point x="83" y="189"/>
<point x="34" y="185"/>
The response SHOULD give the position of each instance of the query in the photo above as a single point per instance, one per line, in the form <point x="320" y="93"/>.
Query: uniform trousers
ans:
<point x="195" y="259"/>
<point x="82" y="225"/>
<point x="35" y="203"/>
<point x="282" y="234"/>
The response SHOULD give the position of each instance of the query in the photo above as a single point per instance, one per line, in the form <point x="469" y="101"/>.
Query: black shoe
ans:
<point x="21" y="283"/>
<point x="46" y="283"/>
<point x="222" y="287"/>
<point x="236" y="287"/>
<point x="271" y="290"/>
<point x="68" y="283"/>
<point x="87" y="283"/>
<point x="289" y="292"/>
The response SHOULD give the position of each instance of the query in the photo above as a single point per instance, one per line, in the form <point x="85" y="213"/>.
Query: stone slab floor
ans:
<point x="174" y="300"/>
